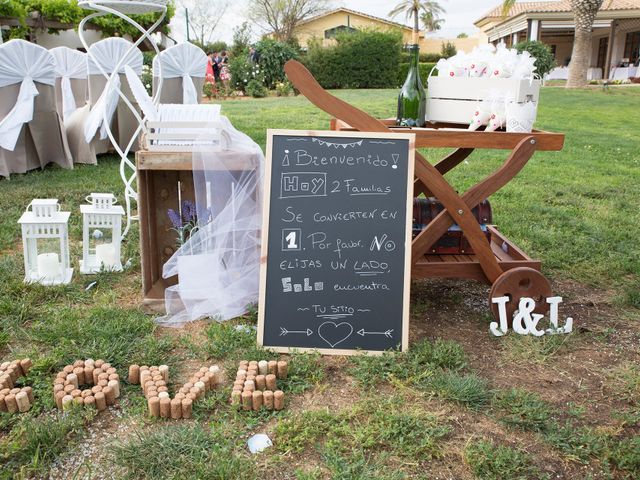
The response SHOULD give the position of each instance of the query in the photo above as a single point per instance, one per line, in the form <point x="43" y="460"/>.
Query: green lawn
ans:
<point x="457" y="405"/>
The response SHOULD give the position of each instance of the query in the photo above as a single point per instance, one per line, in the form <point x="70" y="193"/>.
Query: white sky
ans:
<point x="459" y="17"/>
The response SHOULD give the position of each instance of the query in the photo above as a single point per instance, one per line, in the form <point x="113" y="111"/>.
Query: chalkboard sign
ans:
<point x="336" y="241"/>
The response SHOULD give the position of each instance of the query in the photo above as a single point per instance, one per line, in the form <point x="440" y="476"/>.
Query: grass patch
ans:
<point x="522" y="409"/>
<point x="35" y="442"/>
<point x="182" y="451"/>
<point x="488" y="461"/>
<point x="388" y="425"/>
<point x="625" y="382"/>
<point x="536" y="349"/>
<point x="469" y="390"/>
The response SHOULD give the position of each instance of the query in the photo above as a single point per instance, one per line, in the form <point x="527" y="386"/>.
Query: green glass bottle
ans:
<point x="412" y="101"/>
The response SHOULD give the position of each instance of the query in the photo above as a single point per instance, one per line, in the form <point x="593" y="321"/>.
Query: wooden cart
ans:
<point x="499" y="262"/>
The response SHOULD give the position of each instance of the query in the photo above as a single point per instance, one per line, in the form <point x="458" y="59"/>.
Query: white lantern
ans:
<point x="45" y="239"/>
<point x="101" y="233"/>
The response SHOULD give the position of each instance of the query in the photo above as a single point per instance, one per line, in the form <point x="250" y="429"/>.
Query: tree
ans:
<point x="584" y="14"/>
<point x="416" y="9"/>
<point x="431" y="23"/>
<point x="462" y="35"/>
<point x="204" y="18"/>
<point x="283" y="16"/>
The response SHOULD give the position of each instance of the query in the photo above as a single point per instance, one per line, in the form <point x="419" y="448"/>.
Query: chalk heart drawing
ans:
<point x="335" y="333"/>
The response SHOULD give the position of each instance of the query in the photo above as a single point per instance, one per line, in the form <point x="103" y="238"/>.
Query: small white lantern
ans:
<point x="45" y="239"/>
<point x="101" y="233"/>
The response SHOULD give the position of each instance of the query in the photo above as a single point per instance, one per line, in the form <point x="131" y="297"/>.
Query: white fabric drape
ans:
<point x="70" y="64"/>
<point x="184" y="60"/>
<point x="25" y="63"/>
<point x="218" y="266"/>
<point x="140" y="94"/>
<point x="105" y="55"/>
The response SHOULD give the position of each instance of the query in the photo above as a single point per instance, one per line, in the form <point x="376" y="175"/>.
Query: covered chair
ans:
<point x="112" y="54"/>
<point x="72" y="91"/>
<point x="184" y="67"/>
<point x="31" y="130"/>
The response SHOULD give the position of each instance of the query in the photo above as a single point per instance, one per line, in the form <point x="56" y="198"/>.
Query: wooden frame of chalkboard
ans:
<point x="376" y="342"/>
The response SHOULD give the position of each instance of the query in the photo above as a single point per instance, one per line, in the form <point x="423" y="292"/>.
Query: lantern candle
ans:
<point x="106" y="255"/>
<point x="49" y="267"/>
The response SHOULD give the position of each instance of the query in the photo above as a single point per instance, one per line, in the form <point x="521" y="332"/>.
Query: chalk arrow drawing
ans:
<point x="335" y="333"/>
<point x="284" y="331"/>
<point x="388" y="333"/>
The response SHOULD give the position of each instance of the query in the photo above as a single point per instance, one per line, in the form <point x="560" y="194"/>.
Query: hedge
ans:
<point x="425" y="69"/>
<point x="361" y="59"/>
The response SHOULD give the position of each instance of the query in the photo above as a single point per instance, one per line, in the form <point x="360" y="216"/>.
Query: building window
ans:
<point x="603" y="46"/>
<point x="632" y="47"/>
<point x="332" y="32"/>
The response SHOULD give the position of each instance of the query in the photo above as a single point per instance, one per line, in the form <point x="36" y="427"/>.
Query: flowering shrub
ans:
<point x="147" y="78"/>
<point x="256" y="89"/>
<point x="283" y="89"/>
<point x="242" y="72"/>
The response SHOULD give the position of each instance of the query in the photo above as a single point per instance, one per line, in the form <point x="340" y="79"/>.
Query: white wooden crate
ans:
<point x="454" y="99"/>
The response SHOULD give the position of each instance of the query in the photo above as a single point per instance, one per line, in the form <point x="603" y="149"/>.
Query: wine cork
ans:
<point x="180" y="396"/>
<point x="101" y="401"/>
<point x="162" y="389"/>
<point x="236" y="397"/>
<point x="251" y="378"/>
<point x="90" y="401"/>
<point x="103" y="376"/>
<point x="88" y="374"/>
<point x="207" y="380"/>
<point x="263" y="367"/>
<point x="103" y="383"/>
<point x="196" y="391"/>
<point x="216" y="374"/>
<point x="60" y="381"/>
<point x="22" y="400"/>
<point x="278" y="399"/>
<point x="176" y="408"/>
<point x="188" y="386"/>
<point x="67" y="401"/>
<point x="134" y="374"/>
<point x="157" y="377"/>
<point x="58" y="398"/>
<point x="79" y="373"/>
<point x="201" y="386"/>
<point x="77" y="393"/>
<point x="90" y="362"/>
<point x="29" y="392"/>
<point x="15" y="391"/>
<point x="270" y="381"/>
<point x="152" y="392"/>
<point x="95" y="373"/>
<point x="147" y="385"/>
<point x="154" y="406"/>
<point x="241" y="371"/>
<point x="283" y="369"/>
<point x="162" y="395"/>
<point x="68" y="369"/>
<point x="261" y="383"/>
<point x="78" y="400"/>
<point x="109" y="394"/>
<point x="69" y="388"/>
<point x="72" y="378"/>
<point x="252" y="372"/>
<point x="164" y="371"/>
<point x="115" y="385"/>
<point x="247" y="400"/>
<point x="4" y="366"/>
<point x="249" y="386"/>
<point x="253" y="363"/>
<point x="165" y="407"/>
<point x="114" y="376"/>
<point x="95" y="390"/>
<point x="78" y="363"/>
<point x="25" y="365"/>
<point x="187" y="409"/>
<point x="257" y="400"/>
<point x="267" y="399"/>
<point x="3" y="404"/>
<point x="14" y="372"/>
<point x="144" y="376"/>
<point x="57" y="388"/>
<point x="87" y="393"/>
<point x="105" y="366"/>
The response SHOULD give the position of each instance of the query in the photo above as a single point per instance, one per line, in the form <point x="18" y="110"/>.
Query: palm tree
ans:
<point x="431" y="22"/>
<point x="413" y="8"/>
<point x="584" y="14"/>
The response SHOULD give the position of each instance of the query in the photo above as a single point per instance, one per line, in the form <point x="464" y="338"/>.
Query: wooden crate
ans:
<point x="160" y="174"/>
<point x="454" y="99"/>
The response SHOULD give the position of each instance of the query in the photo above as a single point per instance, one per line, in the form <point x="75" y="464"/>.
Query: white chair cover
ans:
<point x="70" y="64"/>
<point x="184" y="61"/>
<point x="25" y="63"/>
<point x="109" y="54"/>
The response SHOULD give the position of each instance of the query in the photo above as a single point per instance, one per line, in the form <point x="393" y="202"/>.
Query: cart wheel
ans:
<point x="517" y="283"/>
